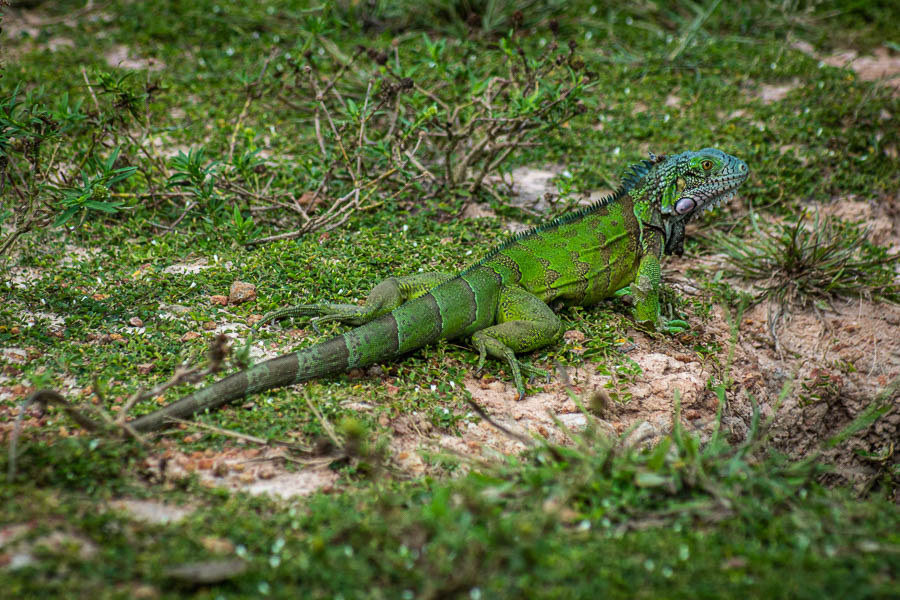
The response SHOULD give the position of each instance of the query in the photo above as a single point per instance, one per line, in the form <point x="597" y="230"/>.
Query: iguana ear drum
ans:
<point x="685" y="205"/>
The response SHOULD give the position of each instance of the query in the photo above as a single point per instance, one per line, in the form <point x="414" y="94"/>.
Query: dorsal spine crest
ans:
<point x="632" y="176"/>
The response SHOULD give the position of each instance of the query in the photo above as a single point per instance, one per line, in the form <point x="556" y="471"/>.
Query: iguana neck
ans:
<point x="652" y="188"/>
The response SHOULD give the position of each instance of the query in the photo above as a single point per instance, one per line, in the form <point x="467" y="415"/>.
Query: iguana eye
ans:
<point x="707" y="165"/>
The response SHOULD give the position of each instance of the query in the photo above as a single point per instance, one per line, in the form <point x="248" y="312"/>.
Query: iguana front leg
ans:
<point x="524" y="323"/>
<point x="645" y="290"/>
<point x="384" y="297"/>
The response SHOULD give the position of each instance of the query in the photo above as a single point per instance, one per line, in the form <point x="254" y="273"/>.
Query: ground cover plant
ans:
<point x="169" y="175"/>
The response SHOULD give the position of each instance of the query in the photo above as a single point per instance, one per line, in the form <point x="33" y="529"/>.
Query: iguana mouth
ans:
<point x="711" y="195"/>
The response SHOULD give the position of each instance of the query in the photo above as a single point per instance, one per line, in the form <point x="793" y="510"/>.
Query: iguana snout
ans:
<point x="708" y="178"/>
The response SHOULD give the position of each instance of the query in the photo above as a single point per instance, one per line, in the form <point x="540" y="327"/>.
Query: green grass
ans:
<point x="685" y="520"/>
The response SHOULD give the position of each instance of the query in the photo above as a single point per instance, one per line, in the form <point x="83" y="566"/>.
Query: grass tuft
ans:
<point x="808" y="260"/>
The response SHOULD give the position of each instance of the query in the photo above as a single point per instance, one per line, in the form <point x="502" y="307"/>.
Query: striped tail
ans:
<point x="454" y="308"/>
<point x="276" y="372"/>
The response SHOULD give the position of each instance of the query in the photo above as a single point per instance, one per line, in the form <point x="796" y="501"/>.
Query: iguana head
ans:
<point x="684" y="185"/>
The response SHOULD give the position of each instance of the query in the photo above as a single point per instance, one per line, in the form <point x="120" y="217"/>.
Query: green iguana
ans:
<point x="506" y="301"/>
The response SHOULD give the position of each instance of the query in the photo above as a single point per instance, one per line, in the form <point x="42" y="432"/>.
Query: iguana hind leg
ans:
<point x="524" y="323"/>
<point x="384" y="297"/>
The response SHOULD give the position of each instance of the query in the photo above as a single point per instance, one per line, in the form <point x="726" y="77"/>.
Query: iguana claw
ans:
<point x="315" y="325"/>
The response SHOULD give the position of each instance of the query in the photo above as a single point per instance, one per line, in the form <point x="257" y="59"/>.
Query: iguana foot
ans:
<point x="517" y="368"/>
<point x="523" y="368"/>
<point x="675" y="326"/>
<point x="348" y="314"/>
<point x="533" y="372"/>
<point x="671" y="326"/>
<point x="283" y="313"/>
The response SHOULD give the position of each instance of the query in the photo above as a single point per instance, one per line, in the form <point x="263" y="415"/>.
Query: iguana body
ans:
<point x="506" y="302"/>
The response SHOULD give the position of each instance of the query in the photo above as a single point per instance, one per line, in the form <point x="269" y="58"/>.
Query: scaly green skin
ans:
<point x="503" y="302"/>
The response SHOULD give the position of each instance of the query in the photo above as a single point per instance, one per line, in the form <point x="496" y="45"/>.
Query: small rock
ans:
<point x="143" y="592"/>
<point x="220" y="300"/>
<point x="19" y="560"/>
<point x="673" y="101"/>
<point x="190" y="335"/>
<point x="145" y="368"/>
<point x="135" y="322"/>
<point x="177" y="309"/>
<point x="217" y="545"/>
<point x="659" y="386"/>
<point x="573" y="420"/>
<point x="375" y="371"/>
<point x="254" y="319"/>
<point x="207" y="572"/>
<point x="574" y="335"/>
<point x="642" y="434"/>
<point x="735" y="562"/>
<point x="220" y="469"/>
<point x="640" y="391"/>
<point x="151" y="511"/>
<point x="209" y="325"/>
<point x="241" y="292"/>
<point x="477" y="211"/>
